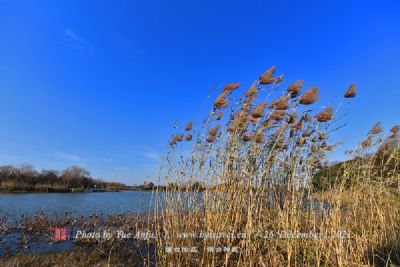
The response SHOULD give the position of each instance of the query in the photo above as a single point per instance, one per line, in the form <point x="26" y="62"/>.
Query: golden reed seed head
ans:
<point x="307" y="118"/>
<point x="306" y="133"/>
<point x="292" y="118"/>
<point x="238" y="122"/>
<point x="221" y="101"/>
<point x="258" y="112"/>
<point x="301" y="141"/>
<point x="309" y="96"/>
<point x="219" y="117"/>
<point x="279" y="79"/>
<point x="252" y="92"/>
<point x="351" y="92"/>
<point x="213" y="131"/>
<point x="297" y="126"/>
<point x="267" y="77"/>
<point x="367" y="143"/>
<point x="189" y="126"/>
<point x="314" y="148"/>
<point x="325" y="115"/>
<point x="259" y="137"/>
<point x="280" y="144"/>
<point x="395" y="129"/>
<point x="246" y="137"/>
<point x="189" y="137"/>
<point x="294" y="88"/>
<point x="277" y="115"/>
<point x="210" y="139"/>
<point x="282" y="103"/>
<point x="179" y="137"/>
<point x="322" y="136"/>
<point x="376" y="129"/>
<point x="230" y="87"/>
<point x="253" y="120"/>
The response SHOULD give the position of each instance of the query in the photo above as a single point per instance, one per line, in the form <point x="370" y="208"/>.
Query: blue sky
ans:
<point x="101" y="83"/>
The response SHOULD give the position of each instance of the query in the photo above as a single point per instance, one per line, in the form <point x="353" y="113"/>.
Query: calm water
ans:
<point x="80" y="204"/>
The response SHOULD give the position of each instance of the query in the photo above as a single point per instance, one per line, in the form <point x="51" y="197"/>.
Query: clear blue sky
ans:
<point x="100" y="83"/>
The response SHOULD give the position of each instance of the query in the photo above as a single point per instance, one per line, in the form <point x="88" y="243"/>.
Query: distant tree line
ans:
<point x="26" y="179"/>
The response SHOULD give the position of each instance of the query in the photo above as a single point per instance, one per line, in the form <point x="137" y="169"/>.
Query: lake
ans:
<point x="14" y="206"/>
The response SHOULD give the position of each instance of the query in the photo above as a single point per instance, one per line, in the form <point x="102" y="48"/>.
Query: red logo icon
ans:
<point x="60" y="234"/>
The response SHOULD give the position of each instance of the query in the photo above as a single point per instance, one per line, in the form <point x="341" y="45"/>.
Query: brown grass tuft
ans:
<point x="376" y="129"/>
<point x="267" y="77"/>
<point x="258" y="112"/>
<point x="325" y="115"/>
<point x="351" y="92"/>
<point x="294" y="88"/>
<point x="309" y="96"/>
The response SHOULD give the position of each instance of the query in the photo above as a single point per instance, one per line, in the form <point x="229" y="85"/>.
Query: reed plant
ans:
<point x="257" y="154"/>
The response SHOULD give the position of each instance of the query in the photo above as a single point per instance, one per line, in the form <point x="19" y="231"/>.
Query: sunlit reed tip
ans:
<point x="188" y="137"/>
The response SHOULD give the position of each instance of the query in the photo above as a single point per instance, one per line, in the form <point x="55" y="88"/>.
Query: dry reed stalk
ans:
<point x="310" y="96"/>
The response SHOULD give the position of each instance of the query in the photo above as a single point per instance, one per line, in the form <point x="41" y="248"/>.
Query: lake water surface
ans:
<point x="79" y="204"/>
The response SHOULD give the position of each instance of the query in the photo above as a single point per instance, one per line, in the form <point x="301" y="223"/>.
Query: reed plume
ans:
<point x="258" y="112"/>
<point x="267" y="77"/>
<point x="325" y="115"/>
<point x="376" y="129"/>
<point x="351" y="92"/>
<point x="294" y="88"/>
<point x="395" y="129"/>
<point x="230" y="87"/>
<point x="367" y="143"/>
<point x="189" y="126"/>
<point x="309" y="96"/>
<point x="221" y="101"/>
<point x="189" y="137"/>
<point x="213" y="131"/>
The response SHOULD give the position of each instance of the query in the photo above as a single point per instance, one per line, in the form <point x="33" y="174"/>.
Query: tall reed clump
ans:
<point x="244" y="194"/>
